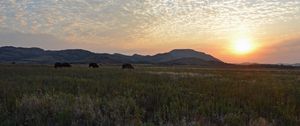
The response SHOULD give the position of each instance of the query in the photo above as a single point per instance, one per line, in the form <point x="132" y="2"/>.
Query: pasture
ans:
<point x="148" y="96"/>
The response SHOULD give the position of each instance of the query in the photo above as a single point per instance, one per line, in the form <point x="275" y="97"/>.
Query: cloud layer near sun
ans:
<point x="150" y="23"/>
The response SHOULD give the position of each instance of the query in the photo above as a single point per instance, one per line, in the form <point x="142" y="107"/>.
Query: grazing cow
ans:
<point x="57" y="65"/>
<point x="61" y="65"/>
<point x="127" y="66"/>
<point x="67" y="65"/>
<point x="93" y="65"/>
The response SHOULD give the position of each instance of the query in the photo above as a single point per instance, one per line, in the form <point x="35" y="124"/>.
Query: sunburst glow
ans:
<point x="243" y="46"/>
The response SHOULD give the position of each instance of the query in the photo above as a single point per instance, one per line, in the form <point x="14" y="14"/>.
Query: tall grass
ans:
<point x="42" y="95"/>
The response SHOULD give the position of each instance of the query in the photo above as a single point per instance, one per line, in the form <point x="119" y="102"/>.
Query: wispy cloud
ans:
<point x="125" y="23"/>
<point x="134" y="18"/>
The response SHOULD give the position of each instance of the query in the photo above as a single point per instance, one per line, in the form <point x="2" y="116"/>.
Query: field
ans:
<point x="148" y="95"/>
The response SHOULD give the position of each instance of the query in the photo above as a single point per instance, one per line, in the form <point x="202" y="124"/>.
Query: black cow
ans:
<point x="61" y="65"/>
<point x="93" y="65"/>
<point x="127" y="66"/>
<point x="57" y="65"/>
<point x="67" y="65"/>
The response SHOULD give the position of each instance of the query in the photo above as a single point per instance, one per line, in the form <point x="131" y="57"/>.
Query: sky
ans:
<point x="272" y="27"/>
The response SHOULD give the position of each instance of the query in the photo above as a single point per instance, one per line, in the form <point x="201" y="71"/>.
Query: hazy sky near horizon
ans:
<point x="152" y="26"/>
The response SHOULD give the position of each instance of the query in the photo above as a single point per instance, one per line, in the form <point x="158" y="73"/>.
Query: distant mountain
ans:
<point x="183" y="53"/>
<point x="247" y="63"/>
<point x="193" y="61"/>
<point x="37" y="55"/>
<point x="297" y="64"/>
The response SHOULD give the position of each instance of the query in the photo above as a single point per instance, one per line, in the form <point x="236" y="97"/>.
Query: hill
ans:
<point x="193" y="61"/>
<point x="297" y="64"/>
<point x="37" y="55"/>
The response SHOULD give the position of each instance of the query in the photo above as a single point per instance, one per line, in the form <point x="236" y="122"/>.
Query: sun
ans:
<point x="243" y="46"/>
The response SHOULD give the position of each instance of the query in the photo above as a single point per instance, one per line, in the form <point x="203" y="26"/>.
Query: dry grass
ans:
<point x="42" y="95"/>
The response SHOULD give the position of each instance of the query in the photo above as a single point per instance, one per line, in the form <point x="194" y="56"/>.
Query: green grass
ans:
<point x="42" y="95"/>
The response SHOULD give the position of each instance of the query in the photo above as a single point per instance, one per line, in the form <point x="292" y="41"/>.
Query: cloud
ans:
<point x="137" y="19"/>
<point x="121" y="24"/>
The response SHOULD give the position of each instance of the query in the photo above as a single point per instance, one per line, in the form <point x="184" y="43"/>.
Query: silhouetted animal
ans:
<point x="61" y="65"/>
<point x="93" y="65"/>
<point x="56" y="65"/>
<point x="127" y="66"/>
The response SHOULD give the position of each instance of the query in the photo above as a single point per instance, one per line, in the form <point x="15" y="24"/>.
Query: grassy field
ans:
<point x="42" y="95"/>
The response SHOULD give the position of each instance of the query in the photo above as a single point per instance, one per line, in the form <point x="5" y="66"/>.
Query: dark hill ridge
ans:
<point x="184" y="53"/>
<point x="193" y="61"/>
<point x="37" y="55"/>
